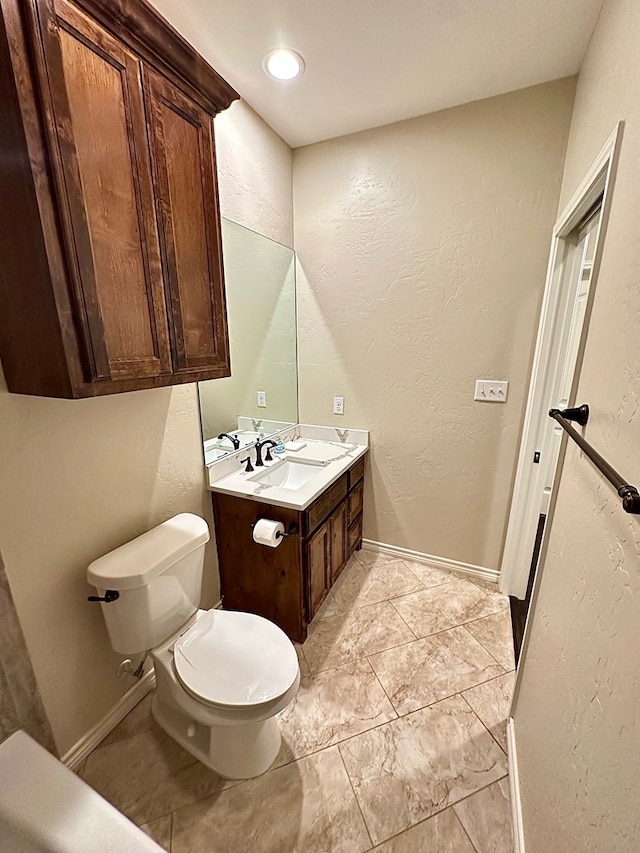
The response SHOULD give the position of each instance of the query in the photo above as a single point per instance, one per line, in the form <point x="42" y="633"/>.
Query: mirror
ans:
<point x="261" y="307"/>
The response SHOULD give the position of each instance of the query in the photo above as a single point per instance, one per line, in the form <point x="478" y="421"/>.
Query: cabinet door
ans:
<point x="355" y="536"/>
<point x="338" y="541"/>
<point x="182" y="148"/>
<point x="92" y="93"/>
<point x="318" y="567"/>
<point x="355" y="500"/>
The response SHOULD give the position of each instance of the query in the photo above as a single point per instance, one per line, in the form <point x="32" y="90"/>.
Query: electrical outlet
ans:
<point x="491" y="390"/>
<point x="261" y="396"/>
<point x="338" y="405"/>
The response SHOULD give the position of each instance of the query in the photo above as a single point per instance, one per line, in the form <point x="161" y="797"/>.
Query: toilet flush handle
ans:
<point x="109" y="595"/>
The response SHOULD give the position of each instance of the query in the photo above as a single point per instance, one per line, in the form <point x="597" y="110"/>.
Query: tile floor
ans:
<point x="396" y="740"/>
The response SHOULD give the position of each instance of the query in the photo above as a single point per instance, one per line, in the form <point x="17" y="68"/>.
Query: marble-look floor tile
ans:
<point x="149" y="775"/>
<point x="486" y="585"/>
<point x="360" y="585"/>
<point x="372" y="559"/>
<point x="442" y="833"/>
<point x="425" y="671"/>
<point x="339" y="639"/>
<point x="486" y="816"/>
<point x="491" y="702"/>
<point x="430" y="575"/>
<point x="304" y="807"/>
<point x="446" y="606"/>
<point x="413" y="767"/>
<point x="160" y="831"/>
<point x="331" y="706"/>
<point x="495" y="634"/>
<point x="138" y="720"/>
<point x="302" y="663"/>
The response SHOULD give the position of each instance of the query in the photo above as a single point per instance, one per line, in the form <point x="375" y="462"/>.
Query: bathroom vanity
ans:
<point x="323" y="524"/>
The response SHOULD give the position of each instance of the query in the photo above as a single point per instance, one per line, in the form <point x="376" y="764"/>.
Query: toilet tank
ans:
<point x="158" y="577"/>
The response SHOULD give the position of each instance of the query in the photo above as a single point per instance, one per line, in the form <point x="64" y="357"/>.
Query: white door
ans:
<point x="541" y="443"/>
<point x="579" y="271"/>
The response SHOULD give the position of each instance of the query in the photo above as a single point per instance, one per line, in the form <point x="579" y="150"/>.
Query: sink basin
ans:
<point x="288" y="474"/>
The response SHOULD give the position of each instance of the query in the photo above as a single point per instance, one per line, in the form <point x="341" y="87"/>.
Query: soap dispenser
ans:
<point x="279" y="448"/>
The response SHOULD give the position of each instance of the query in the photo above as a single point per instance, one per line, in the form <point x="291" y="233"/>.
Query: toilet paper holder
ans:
<point x="293" y="529"/>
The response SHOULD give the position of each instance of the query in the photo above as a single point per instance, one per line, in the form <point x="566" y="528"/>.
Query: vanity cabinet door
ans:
<point x="92" y="91"/>
<point x="184" y="171"/>
<point x="355" y="536"/>
<point x="356" y="501"/>
<point x="338" y="541"/>
<point x="318" y="566"/>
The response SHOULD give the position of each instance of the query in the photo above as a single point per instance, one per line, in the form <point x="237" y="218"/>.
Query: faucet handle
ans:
<point x="249" y="467"/>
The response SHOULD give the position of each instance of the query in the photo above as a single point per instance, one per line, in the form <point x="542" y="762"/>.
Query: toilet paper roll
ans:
<point x="267" y="532"/>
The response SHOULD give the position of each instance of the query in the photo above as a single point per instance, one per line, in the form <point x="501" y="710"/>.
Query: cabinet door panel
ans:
<point x="355" y="536"/>
<point x="338" y="541"/>
<point x="98" y="116"/>
<point x="356" y="501"/>
<point x="186" y="189"/>
<point x="318" y="567"/>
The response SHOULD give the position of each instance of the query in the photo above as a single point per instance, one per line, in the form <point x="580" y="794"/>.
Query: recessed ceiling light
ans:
<point x="283" y="64"/>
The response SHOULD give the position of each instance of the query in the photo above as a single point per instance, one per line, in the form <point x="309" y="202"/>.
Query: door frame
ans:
<point x="523" y="515"/>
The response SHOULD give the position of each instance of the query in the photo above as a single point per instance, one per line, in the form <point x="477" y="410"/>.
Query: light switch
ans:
<point x="262" y="399"/>
<point x="491" y="390"/>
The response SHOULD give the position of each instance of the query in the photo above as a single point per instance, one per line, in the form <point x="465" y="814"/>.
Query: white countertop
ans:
<point x="334" y="456"/>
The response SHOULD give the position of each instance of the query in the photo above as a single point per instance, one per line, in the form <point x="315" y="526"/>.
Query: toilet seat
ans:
<point x="235" y="659"/>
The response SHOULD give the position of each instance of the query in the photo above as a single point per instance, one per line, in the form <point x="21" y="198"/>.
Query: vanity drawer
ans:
<point x="325" y="504"/>
<point x="356" y="472"/>
<point x="355" y="501"/>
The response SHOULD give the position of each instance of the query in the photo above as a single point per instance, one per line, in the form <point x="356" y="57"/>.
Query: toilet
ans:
<point x="221" y="676"/>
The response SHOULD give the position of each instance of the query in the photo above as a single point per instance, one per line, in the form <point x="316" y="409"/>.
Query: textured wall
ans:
<point x="577" y="722"/>
<point x="81" y="477"/>
<point x="422" y="251"/>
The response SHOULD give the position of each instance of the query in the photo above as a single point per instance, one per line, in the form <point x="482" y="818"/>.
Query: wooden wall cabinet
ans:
<point x="288" y="584"/>
<point x="110" y="262"/>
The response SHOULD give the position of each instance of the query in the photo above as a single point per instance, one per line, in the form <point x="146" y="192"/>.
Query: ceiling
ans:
<point x="372" y="62"/>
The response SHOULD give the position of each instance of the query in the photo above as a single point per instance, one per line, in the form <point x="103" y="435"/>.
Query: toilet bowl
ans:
<point x="221" y="676"/>
<point x="219" y="687"/>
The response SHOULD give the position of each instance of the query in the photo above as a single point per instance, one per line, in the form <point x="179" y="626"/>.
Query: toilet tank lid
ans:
<point x="137" y="562"/>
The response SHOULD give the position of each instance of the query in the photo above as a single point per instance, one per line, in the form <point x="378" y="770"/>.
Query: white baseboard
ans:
<point x="77" y="754"/>
<point x="485" y="574"/>
<point x="514" y="790"/>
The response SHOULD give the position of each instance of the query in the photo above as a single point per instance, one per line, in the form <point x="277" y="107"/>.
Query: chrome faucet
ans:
<point x="232" y="438"/>
<point x="268" y="443"/>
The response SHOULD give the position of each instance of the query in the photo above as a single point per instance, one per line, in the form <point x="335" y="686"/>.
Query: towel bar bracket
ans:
<point x="579" y="414"/>
<point x="630" y="499"/>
